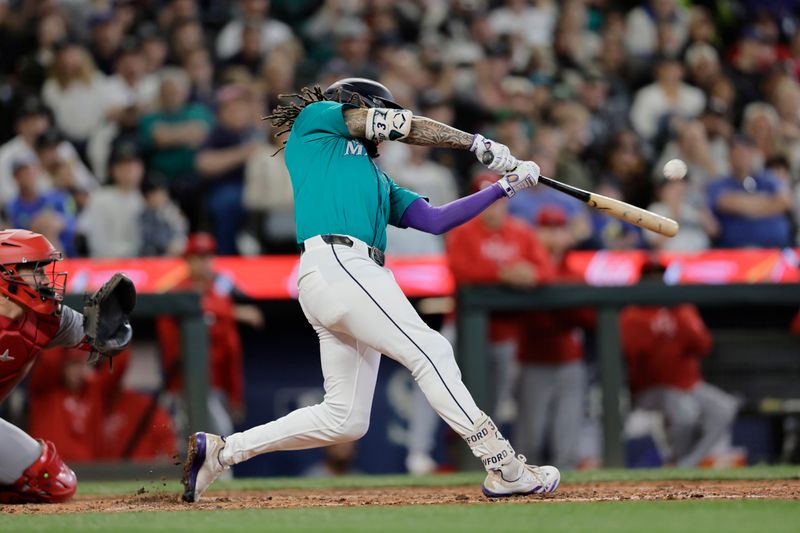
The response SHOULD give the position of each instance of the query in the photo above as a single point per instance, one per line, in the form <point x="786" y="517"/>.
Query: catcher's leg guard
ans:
<point x="47" y="480"/>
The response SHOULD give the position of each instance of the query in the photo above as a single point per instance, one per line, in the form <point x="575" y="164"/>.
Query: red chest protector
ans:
<point x="21" y="341"/>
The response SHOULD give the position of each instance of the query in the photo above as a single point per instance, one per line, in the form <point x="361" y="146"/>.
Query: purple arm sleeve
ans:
<point x="437" y="220"/>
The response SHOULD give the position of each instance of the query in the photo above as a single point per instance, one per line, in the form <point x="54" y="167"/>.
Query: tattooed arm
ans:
<point x="356" y="121"/>
<point x="428" y="132"/>
<point x="424" y="131"/>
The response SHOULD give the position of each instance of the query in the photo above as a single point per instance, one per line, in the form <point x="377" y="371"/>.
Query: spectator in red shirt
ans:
<point x="66" y="399"/>
<point x="226" y="372"/>
<point x="497" y="248"/>
<point x="663" y="347"/>
<point x="88" y="414"/>
<point x="553" y="374"/>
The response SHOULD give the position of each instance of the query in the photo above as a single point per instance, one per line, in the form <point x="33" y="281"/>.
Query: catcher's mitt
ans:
<point x="105" y="317"/>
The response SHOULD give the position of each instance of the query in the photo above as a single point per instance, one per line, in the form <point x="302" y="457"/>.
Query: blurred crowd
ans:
<point x="127" y="124"/>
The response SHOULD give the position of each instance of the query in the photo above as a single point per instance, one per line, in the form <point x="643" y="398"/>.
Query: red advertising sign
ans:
<point x="709" y="267"/>
<point x="268" y="277"/>
<point x="275" y="277"/>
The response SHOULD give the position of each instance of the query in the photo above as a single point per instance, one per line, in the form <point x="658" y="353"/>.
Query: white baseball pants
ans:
<point x="359" y="313"/>
<point x="551" y="396"/>
<point x="696" y="418"/>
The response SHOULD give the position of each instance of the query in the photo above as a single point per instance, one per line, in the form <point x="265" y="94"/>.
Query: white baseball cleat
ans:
<point x="534" y="480"/>
<point x="202" y="464"/>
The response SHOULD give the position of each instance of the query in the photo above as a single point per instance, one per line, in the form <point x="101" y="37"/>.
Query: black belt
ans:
<point x="374" y="254"/>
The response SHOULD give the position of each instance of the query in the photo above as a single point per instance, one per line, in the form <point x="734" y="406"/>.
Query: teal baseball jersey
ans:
<point x="337" y="187"/>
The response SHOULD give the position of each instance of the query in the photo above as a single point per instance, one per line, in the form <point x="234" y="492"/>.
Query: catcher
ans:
<point x="32" y="318"/>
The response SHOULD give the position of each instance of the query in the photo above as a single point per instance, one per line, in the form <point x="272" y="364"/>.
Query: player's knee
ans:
<point x="683" y="412"/>
<point x="434" y="354"/>
<point x="723" y="414"/>
<point x="440" y="351"/>
<point x="353" y="428"/>
<point x="347" y="422"/>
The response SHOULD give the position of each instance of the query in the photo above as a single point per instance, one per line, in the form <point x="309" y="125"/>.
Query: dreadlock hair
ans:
<point x="284" y="115"/>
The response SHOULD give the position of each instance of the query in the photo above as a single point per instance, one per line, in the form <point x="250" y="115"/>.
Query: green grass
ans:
<point x="599" y="517"/>
<point x="464" y="478"/>
<point x="617" y="517"/>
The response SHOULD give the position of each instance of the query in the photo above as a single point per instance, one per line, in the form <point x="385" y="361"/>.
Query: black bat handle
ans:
<point x="487" y="158"/>
<point x="575" y="192"/>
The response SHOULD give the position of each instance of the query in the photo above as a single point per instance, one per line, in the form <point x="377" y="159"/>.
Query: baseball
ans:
<point x="675" y="169"/>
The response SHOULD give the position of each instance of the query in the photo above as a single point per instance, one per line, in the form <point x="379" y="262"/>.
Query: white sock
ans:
<point x="494" y="450"/>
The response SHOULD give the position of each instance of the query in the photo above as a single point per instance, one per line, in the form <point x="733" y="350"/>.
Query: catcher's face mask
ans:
<point x="36" y="285"/>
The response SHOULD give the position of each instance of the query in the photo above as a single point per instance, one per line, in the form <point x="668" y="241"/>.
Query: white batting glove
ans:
<point x="494" y="155"/>
<point x="525" y="175"/>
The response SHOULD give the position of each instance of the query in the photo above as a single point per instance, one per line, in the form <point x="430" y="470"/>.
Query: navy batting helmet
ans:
<point x="372" y="93"/>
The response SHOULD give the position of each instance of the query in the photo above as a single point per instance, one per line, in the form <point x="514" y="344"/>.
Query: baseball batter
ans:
<point x="343" y="203"/>
<point x="32" y="318"/>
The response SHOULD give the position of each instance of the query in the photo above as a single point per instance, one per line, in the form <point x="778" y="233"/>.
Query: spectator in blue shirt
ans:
<point x="221" y="162"/>
<point x="50" y="213"/>
<point x="752" y="206"/>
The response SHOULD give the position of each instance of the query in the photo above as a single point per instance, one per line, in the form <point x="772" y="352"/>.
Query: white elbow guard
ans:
<point x="388" y="124"/>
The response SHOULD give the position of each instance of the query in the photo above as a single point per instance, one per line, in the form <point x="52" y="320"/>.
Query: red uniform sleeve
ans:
<point x="693" y="331"/>
<point x="467" y="264"/>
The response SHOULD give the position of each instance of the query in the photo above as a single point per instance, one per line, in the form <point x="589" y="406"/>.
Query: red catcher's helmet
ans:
<point x="24" y="258"/>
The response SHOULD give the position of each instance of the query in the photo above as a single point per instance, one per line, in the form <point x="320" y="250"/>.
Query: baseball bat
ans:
<point x="616" y="208"/>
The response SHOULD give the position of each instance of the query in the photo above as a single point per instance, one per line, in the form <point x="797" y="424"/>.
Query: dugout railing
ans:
<point x="185" y="307"/>
<point x="475" y="303"/>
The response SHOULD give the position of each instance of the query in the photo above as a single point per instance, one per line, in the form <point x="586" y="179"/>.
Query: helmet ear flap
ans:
<point x="354" y="98"/>
<point x="358" y="99"/>
<point x="7" y="274"/>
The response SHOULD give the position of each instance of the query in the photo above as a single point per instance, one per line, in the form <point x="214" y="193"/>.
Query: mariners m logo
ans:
<point x="354" y="148"/>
